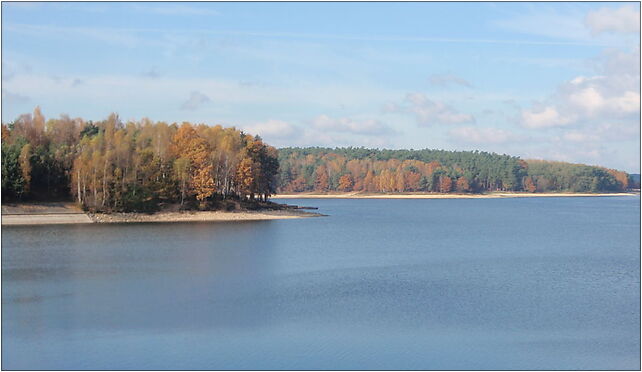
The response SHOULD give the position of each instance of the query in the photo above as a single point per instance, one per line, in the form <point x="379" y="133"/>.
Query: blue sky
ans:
<point x="558" y="81"/>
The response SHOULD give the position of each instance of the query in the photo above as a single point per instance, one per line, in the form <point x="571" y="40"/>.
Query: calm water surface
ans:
<point x="542" y="283"/>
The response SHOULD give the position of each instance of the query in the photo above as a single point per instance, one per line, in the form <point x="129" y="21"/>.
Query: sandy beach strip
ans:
<point x="69" y="213"/>
<point x="357" y="195"/>
<point x="201" y="216"/>
<point x="43" y="213"/>
<point x="45" y="219"/>
<point x="81" y="218"/>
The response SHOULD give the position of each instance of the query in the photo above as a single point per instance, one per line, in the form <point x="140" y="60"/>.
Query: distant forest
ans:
<point x="111" y="165"/>
<point x="135" y="166"/>
<point x="370" y="170"/>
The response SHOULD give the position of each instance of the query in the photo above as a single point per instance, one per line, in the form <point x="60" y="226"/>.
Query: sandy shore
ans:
<point x="51" y="213"/>
<point x="45" y="219"/>
<point x="201" y="216"/>
<point x="68" y="213"/>
<point x="357" y="195"/>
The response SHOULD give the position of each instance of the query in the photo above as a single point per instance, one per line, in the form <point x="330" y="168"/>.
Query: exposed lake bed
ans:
<point x="56" y="213"/>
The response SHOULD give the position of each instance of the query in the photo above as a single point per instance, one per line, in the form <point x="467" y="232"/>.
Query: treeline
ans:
<point x="110" y="165"/>
<point x="135" y="166"/>
<point x="371" y="170"/>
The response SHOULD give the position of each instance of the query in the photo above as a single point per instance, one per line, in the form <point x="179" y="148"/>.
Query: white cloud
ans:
<point x="313" y="137"/>
<point x="578" y="136"/>
<point x="600" y="96"/>
<point x="480" y="135"/>
<point x="428" y="112"/>
<point x="196" y="99"/>
<point x="629" y="102"/>
<point x="324" y="130"/>
<point x="348" y="125"/>
<point x="615" y="62"/>
<point x="618" y="131"/>
<point x="586" y="100"/>
<point x="272" y="129"/>
<point x="543" y="118"/>
<point x="623" y="19"/>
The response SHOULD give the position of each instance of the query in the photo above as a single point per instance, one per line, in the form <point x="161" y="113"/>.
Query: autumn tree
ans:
<point x="445" y="184"/>
<point x="195" y="152"/>
<point x="346" y="183"/>
<point x="25" y="167"/>
<point x="462" y="184"/>
<point x="181" y="169"/>
<point x="245" y="177"/>
<point x="529" y="185"/>
<point x="369" y="182"/>
<point x="321" y="179"/>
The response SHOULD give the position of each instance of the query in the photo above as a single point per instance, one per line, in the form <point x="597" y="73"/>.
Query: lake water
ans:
<point x="541" y="283"/>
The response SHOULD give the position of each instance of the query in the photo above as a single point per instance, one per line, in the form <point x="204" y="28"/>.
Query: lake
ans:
<point x="524" y="283"/>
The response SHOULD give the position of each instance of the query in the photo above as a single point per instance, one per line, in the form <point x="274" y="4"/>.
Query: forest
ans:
<point x="371" y="170"/>
<point x="111" y="166"/>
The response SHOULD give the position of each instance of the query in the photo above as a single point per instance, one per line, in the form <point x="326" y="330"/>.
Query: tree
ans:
<point x="12" y="181"/>
<point x="529" y="185"/>
<point x="346" y="183"/>
<point x="462" y="184"/>
<point x="400" y="180"/>
<point x="195" y="150"/>
<point x="203" y="183"/>
<point x="181" y="169"/>
<point x="369" y="182"/>
<point x="321" y="179"/>
<point x="413" y="181"/>
<point x="6" y="135"/>
<point x="445" y="184"/>
<point x="245" y="176"/>
<point x="25" y="167"/>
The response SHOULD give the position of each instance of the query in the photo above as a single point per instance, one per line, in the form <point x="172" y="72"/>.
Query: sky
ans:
<point x="555" y="81"/>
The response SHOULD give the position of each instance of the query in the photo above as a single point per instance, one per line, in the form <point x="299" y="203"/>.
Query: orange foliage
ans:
<point x="529" y="185"/>
<point x="321" y="182"/>
<point x="445" y="184"/>
<point x="413" y="180"/>
<point x="462" y="184"/>
<point x="5" y="133"/>
<point x="621" y="177"/>
<point x="369" y="182"/>
<point x="298" y="184"/>
<point x="346" y="183"/>
<point x="191" y="146"/>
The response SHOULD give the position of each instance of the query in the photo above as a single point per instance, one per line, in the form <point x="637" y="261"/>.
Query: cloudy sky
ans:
<point x="557" y="81"/>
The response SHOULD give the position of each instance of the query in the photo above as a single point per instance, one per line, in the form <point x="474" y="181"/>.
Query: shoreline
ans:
<point x="201" y="216"/>
<point x="495" y="195"/>
<point x="68" y="213"/>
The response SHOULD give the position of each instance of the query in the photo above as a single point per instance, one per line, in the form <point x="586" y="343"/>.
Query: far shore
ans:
<point x="493" y="195"/>
<point x="68" y="213"/>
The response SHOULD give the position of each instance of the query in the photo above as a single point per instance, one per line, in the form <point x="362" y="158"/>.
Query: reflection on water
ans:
<point x="380" y="284"/>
